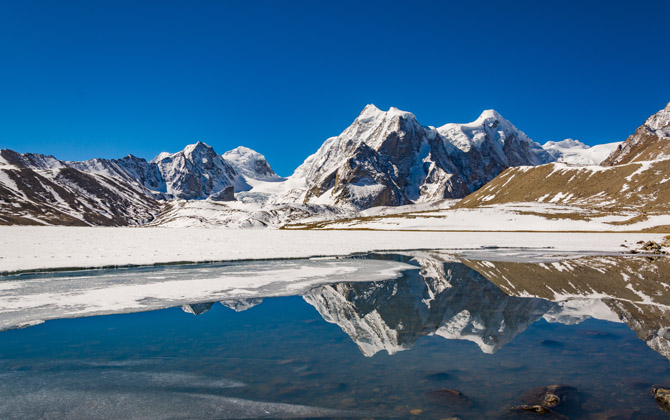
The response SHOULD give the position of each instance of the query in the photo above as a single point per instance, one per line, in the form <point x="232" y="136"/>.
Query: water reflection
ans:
<point x="489" y="303"/>
<point x="535" y="327"/>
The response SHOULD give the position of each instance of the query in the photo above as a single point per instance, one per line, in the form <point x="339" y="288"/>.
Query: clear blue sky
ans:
<point x="106" y="78"/>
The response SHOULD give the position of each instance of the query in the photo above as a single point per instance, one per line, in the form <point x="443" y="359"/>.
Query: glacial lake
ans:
<point x="413" y="335"/>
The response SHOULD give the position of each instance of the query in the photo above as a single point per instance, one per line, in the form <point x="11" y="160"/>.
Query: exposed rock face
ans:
<point x="37" y="189"/>
<point x="197" y="172"/>
<point x="651" y="141"/>
<point x="388" y="158"/>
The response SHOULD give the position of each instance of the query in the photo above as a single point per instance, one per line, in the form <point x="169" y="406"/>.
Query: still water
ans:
<point x="444" y="337"/>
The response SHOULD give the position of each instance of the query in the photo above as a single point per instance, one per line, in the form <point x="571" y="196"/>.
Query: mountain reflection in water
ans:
<point x="490" y="303"/>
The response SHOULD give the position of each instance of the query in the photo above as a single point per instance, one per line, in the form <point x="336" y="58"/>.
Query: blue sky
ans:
<point x="106" y="78"/>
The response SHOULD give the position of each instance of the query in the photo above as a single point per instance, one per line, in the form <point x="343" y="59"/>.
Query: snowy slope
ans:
<point x="574" y="152"/>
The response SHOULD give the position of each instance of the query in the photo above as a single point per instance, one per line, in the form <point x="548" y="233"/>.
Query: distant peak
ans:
<point x="565" y="144"/>
<point x="241" y="150"/>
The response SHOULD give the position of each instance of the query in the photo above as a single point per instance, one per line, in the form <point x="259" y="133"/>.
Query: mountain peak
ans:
<point x="660" y="120"/>
<point x="197" y="146"/>
<point x="567" y="143"/>
<point x="371" y="112"/>
<point x="490" y="114"/>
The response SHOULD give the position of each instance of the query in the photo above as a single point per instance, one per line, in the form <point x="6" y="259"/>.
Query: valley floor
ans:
<point x="39" y="248"/>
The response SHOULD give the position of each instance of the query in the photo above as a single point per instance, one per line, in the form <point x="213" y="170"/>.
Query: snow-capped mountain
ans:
<point x="650" y="142"/>
<point x="36" y="189"/>
<point x="574" y="152"/>
<point x="386" y="158"/>
<point x="197" y="172"/>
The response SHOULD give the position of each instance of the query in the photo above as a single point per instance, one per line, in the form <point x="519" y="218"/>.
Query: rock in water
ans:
<point x="662" y="397"/>
<point x="450" y="397"/>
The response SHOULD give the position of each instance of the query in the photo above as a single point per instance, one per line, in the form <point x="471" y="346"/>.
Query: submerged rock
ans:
<point x="550" y="396"/>
<point x="545" y="400"/>
<point x="537" y="410"/>
<point x="450" y="397"/>
<point x="441" y="376"/>
<point x="662" y="397"/>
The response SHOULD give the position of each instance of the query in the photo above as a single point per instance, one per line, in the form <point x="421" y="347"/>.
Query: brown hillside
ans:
<point x="643" y="187"/>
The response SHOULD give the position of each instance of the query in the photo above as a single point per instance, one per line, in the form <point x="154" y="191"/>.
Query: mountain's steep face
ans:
<point x="388" y="158"/>
<point x="250" y="164"/>
<point x="37" y="189"/>
<point x="574" y="152"/>
<point x="197" y="172"/>
<point x="651" y="141"/>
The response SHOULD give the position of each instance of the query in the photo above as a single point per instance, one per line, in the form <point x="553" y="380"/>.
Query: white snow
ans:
<point x="33" y="247"/>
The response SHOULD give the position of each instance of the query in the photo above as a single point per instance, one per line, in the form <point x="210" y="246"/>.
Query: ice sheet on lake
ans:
<point x="28" y="300"/>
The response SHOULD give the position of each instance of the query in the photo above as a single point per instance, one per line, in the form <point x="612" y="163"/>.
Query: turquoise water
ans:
<point x="320" y="356"/>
